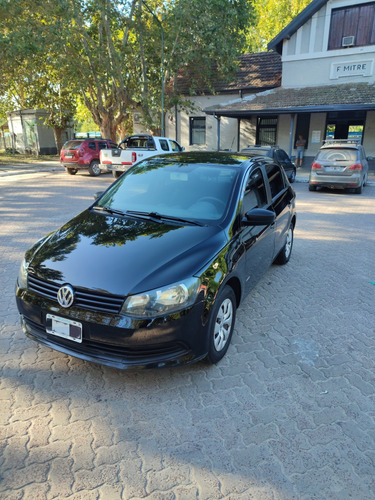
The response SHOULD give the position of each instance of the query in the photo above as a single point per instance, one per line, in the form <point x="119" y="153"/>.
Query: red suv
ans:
<point x="84" y="154"/>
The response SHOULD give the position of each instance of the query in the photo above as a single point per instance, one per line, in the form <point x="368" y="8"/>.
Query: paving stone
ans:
<point x="288" y="414"/>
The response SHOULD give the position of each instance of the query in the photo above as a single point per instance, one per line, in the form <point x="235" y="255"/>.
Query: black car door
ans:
<point x="259" y="241"/>
<point x="282" y="198"/>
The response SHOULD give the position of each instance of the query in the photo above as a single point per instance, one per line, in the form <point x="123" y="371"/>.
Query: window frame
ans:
<point x="272" y="127"/>
<point x="196" y="130"/>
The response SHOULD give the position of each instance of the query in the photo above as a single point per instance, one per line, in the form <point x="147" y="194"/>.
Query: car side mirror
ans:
<point x="98" y="194"/>
<point x="370" y="158"/>
<point x="259" y="217"/>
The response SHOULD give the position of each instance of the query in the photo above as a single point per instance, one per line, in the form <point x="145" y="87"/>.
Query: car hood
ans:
<point x="122" y="256"/>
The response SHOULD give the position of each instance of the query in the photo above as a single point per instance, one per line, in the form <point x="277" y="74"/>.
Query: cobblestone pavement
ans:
<point x="289" y="413"/>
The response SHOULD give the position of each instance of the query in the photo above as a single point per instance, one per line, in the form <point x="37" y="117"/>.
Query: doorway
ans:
<point x="344" y="125"/>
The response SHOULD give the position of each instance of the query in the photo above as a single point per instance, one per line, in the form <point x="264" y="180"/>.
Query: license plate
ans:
<point x="334" y="169"/>
<point x="68" y="156"/>
<point x="65" y="328"/>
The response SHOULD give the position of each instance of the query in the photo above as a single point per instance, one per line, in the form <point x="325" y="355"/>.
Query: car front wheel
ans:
<point x="292" y="176"/>
<point x="221" y="326"/>
<point x="94" y="169"/>
<point x="286" y="251"/>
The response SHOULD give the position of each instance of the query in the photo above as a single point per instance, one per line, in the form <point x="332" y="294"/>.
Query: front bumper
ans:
<point x="116" y="340"/>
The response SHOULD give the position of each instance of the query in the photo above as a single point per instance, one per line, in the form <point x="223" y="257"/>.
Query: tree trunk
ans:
<point x="57" y="131"/>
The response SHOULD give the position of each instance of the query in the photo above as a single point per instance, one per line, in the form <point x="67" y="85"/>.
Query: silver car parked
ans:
<point x="340" y="164"/>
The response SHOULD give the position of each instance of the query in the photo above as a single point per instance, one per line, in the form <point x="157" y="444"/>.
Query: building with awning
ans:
<point x="196" y="130"/>
<point x="328" y="84"/>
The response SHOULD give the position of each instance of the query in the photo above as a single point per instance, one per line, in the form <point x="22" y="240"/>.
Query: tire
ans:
<point x="286" y="251"/>
<point x="312" y="188"/>
<point x="116" y="174"/>
<point x="71" y="171"/>
<point x="358" y="190"/>
<point x="292" y="177"/>
<point x="223" y="317"/>
<point x="94" y="169"/>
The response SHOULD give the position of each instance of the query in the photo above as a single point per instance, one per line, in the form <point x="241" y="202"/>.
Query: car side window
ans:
<point x="282" y="156"/>
<point x="255" y="192"/>
<point x="92" y="145"/>
<point x="102" y="145"/>
<point x="175" y="147"/>
<point x="275" y="179"/>
<point x="164" y="145"/>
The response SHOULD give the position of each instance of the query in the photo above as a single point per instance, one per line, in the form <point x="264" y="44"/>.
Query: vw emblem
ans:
<point x="65" y="296"/>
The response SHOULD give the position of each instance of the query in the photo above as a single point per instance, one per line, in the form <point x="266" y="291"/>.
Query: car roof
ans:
<point x="211" y="158"/>
<point x="340" y="143"/>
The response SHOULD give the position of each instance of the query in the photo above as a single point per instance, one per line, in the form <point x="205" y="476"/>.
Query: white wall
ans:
<point x="307" y="62"/>
<point x="228" y="126"/>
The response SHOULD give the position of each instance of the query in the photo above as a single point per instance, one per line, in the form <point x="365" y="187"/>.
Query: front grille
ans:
<point x="86" y="299"/>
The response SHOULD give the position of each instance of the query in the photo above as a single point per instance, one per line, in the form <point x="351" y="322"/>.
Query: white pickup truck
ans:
<point x="134" y="149"/>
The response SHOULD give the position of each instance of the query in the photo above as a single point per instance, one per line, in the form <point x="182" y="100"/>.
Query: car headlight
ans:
<point x="22" y="275"/>
<point x="164" y="300"/>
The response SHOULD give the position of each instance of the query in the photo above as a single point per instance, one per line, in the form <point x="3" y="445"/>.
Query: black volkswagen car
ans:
<point x="151" y="274"/>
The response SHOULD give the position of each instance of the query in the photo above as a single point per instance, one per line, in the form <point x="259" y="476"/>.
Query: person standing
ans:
<point x="300" y="147"/>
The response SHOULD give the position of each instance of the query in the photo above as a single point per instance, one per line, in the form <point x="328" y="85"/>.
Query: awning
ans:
<point x="347" y="97"/>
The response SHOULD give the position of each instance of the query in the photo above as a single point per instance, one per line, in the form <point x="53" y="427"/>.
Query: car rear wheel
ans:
<point x="312" y="188"/>
<point x="223" y="317"/>
<point x="72" y="171"/>
<point x="286" y="251"/>
<point x="358" y="190"/>
<point x="94" y="169"/>
<point x="116" y="174"/>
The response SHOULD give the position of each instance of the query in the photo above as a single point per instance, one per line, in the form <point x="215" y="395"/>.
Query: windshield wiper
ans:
<point x="108" y="210"/>
<point x="155" y="216"/>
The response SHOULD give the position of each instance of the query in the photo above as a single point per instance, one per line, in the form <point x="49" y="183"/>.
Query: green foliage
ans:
<point x="271" y="17"/>
<point x="108" y="53"/>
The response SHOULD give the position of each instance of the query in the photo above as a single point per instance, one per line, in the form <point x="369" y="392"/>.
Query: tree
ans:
<point x="271" y="17"/>
<point x="109" y="52"/>
<point x="30" y="76"/>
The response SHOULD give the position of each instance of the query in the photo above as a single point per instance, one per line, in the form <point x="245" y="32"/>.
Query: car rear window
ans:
<point x="72" y="144"/>
<point x="337" y="154"/>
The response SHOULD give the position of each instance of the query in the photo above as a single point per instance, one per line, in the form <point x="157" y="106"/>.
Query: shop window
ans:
<point x="352" y="26"/>
<point x="197" y="128"/>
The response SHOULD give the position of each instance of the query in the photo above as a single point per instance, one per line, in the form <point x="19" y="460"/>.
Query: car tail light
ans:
<point x="81" y="152"/>
<point x="356" y="166"/>
<point x="316" y="166"/>
<point x="134" y="156"/>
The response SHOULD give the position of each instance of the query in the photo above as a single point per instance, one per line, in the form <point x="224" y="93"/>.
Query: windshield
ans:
<point x="337" y="154"/>
<point x="185" y="190"/>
